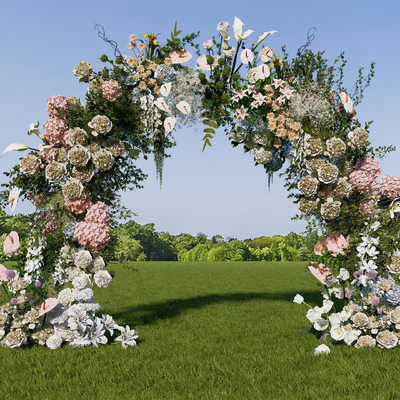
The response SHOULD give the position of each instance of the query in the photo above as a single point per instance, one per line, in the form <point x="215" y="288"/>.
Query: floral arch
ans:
<point x="277" y="109"/>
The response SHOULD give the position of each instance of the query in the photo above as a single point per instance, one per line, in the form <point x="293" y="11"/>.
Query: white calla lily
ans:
<point x="246" y="56"/>
<point x="264" y="35"/>
<point x="238" y="29"/>
<point x="165" y="88"/>
<point x="169" y="124"/>
<point x="13" y="198"/>
<point x="33" y="128"/>
<point x="184" y="107"/>
<point x="15" y="147"/>
<point x="162" y="104"/>
<point x="45" y="147"/>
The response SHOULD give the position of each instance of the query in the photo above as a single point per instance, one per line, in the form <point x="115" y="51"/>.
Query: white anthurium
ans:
<point x="266" y="54"/>
<point x="184" y="107"/>
<point x="264" y="35"/>
<point x="246" y="56"/>
<point x="45" y="147"/>
<point x="169" y="124"/>
<point x="347" y="103"/>
<point x="15" y="147"/>
<point x="33" y="128"/>
<point x="337" y="332"/>
<point x="253" y="75"/>
<point x="13" y="198"/>
<point x="162" y="104"/>
<point x="321" y="324"/>
<point x="165" y="88"/>
<point x="238" y="29"/>
<point x="264" y="71"/>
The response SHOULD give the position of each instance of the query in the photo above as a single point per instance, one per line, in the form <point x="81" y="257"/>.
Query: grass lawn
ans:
<point x="207" y="330"/>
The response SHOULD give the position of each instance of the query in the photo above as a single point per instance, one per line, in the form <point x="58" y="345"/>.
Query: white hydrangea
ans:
<point x="102" y="279"/>
<point x="83" y="294"/>
<point x="66" y="297"/>
<point x="83" y="259"/>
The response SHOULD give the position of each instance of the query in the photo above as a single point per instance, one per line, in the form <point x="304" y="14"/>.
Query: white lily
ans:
<point x="184" y="107"/>
<point x="13" y="198"/>
<point x="237" y="30"/>
<point x="45" y="147"/>
<point x="15" y="147"/>
<point x="246" y="56"/>
<point x="393" y="208"/>
<point x="33" y="128"/>
<point x="161" y="104"/>
<point x="264" y="35"/>
<point x="165" y="89"/>
<point x="169" y="124"/>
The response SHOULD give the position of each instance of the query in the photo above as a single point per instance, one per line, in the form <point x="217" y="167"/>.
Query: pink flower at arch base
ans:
<point x="320" y="272"/>
<point x="48" y="305"/>
<point x="11" y="244"/>
<point x="331" y="243"/>
<point x="3" y="270"/>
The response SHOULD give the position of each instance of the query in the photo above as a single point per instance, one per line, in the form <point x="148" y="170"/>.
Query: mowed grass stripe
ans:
<point x="209" y="330"/>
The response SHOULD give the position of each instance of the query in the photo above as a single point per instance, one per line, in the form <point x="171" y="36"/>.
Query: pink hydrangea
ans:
<point x="55" y="131"/>
<point x="92" y="236"/>
<point x="57" y="106"/>
<point x="369" y="166"/>
<point x="362" y="181"/>
<point x="53" y="224"/>
<point x="98" y="214"/>
<point x="390" y="186"/>
<point x="79" y="206"/>
<point x="370" y="203"/>
<point x="36" y="200"/>
<point x="111" y="90"/>
<point x="47" y="155"/>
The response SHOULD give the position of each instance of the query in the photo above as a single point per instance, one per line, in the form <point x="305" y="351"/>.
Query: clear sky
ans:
<point x="219" y="191"/>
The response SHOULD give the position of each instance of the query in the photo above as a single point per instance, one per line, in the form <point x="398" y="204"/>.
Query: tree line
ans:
<point x="131" y="241"/>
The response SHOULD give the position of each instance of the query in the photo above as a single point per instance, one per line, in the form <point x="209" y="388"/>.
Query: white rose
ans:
<point x="344" y="274"/>
<point x="208" y="44"/>
<point x="337" y="333"/>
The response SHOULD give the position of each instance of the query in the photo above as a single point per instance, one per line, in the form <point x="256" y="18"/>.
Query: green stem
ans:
<point x="330" y="298"/>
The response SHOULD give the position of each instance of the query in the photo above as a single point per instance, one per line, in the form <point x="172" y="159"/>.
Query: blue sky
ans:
<point x="219" y="191"/>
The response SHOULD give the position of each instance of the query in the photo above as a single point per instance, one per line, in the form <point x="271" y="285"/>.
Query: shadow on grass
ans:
<point x="150" y="313"/>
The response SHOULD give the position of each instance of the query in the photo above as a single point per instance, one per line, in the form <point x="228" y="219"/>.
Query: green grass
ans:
<point x="206" y="331"/>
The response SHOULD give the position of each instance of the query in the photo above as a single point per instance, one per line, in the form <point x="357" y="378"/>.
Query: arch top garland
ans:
<point x="278" y="110"/>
